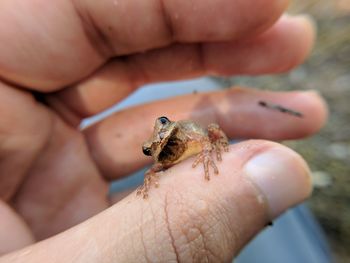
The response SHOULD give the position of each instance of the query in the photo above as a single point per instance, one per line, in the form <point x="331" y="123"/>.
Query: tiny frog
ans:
<point x="174" y="141"/>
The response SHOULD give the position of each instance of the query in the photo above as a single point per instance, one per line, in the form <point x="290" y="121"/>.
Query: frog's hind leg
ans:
<point x="205" y="158"/>
<point x="218" y="139"/>
<point x="151" y="177"/>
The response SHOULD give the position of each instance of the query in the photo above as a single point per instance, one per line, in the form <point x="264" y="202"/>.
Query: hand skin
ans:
<point x="81" y="57"/>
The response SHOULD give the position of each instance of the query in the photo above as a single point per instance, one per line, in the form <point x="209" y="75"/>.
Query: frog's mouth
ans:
<point x="171" y="148"/>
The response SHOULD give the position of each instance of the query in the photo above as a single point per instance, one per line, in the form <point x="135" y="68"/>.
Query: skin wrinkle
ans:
<point x="235" y="231"/>
<point x="192" y="251"/>
<point x="95" y="35"/>
<point x="232" y="233"/>
<point x="137" y="73"/>
<point x="224" y="219"/>
<point x="185" y="232"/>
<point x="160" y="251"/>
<point x="102" y="42"/>
<point x="201" y="219"/>
<point x="126" y="233"/>
<point x="143" y="239"/>
<point x="191" y="248"/>
<point x="197" y="252"/>
<point x="167" y="223"/>
<point x="202" y="238"/>
<point x="202" y="235"/>
<point x="131" y="74"/>
<point x="201" y="58"/>
<point x="169" y="25"/>
<point x="211" y="230"/>
<point x="215" y="221"/>
<point x="210" y="234"/>
<point x="223" y="210"/>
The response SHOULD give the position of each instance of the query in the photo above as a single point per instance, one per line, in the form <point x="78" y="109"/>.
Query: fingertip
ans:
<point x="315" y="110"/>
<point x="302" y="33"/>
<point x="309" y="24"/>
<point x="281" y="175"/>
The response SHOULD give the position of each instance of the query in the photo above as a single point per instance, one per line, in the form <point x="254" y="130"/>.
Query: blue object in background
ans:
<point x="294" y="237"/>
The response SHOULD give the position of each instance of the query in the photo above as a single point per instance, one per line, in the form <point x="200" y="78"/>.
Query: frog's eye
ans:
<point x="163" y="120"/>
<point x="146" y="151"/>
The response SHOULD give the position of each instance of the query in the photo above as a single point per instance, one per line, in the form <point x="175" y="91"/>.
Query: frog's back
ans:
<point x="192" y="129"/>
<point x="194" y="135"/>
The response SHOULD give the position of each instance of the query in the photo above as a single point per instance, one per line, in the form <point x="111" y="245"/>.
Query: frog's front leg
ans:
<point x="151" y="177"/>
<point x="218" y="139"/>
<point x="205" y="157"/>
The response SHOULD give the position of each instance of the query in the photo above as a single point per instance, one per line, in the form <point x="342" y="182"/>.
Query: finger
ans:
<point x="184" y="218"/>
<point x="282" y="47"/>
<point x="61" y="42"/>
<point x="277" y="50"/>
<point x="116" y="142"/>
<point x="14" y="233"/>
<point x="20" y="139"/>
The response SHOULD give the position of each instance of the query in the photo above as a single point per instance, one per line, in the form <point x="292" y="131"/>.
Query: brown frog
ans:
<point x="174" y="141"/>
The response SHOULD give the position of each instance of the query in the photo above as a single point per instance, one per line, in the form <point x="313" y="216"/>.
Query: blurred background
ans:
<point x="328" y="153"/>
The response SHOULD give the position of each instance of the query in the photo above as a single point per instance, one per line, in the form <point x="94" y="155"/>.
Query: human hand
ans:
<point x="86" y="55"/>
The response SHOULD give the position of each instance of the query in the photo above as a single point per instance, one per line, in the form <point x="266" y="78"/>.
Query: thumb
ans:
<point x="188" y="219"/>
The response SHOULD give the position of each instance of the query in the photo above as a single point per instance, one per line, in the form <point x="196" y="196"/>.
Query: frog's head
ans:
<point x="163" y="130"/>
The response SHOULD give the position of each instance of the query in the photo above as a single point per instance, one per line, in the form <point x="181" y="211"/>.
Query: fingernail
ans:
<point x="304" y="16"/>
<point x="306" y="19"/>
<point x="282" y="176"/>
<point x="309" y="18"/>
<point x="310" y="22"/>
